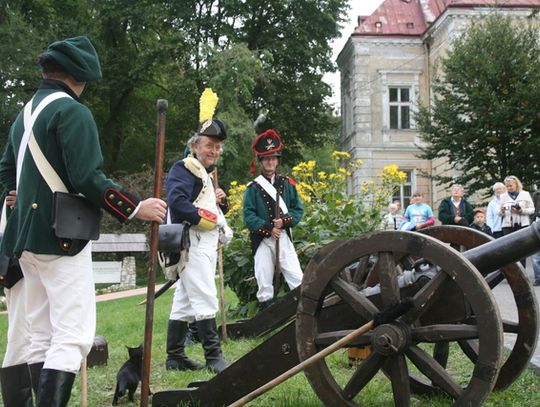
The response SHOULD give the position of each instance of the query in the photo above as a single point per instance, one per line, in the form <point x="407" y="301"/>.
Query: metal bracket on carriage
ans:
<point x="422" y="272"/>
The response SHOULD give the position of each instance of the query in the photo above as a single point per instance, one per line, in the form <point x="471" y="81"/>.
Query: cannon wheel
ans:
<point x="526" y="329"/>
<point x="396" y="345"/>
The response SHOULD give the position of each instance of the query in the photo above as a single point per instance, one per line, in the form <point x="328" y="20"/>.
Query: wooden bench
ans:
<point x="118" y="272"/>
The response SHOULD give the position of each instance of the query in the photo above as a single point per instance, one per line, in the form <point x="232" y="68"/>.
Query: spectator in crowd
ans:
<point x="392" y="219"/>
<point x="418" y="214"/>
<point x="397" y="202"/>
<point x="493" y="217"/>
<point x="455" y="210"/>
<point x="516" y="207"/>
<point x="480" y="221"/>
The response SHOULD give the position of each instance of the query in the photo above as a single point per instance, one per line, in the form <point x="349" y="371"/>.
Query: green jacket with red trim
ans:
<point x="67" y="135"/>
<point x="259" y="209"/>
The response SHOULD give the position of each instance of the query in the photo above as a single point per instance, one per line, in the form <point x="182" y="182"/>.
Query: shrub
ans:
<point x="330" y="213"/>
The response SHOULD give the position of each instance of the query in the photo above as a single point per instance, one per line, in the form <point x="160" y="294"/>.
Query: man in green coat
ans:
<point x="455" y="210"/>
<point x="266" y="227"/>
<point x="55" y="141"/>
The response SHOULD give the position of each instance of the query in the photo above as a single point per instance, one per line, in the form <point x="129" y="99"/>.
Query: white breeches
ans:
<point x="265" y="259"/>
<point x="61" y="308"/>
<point x="18" y="335"/>
<point x="195" y="297"/>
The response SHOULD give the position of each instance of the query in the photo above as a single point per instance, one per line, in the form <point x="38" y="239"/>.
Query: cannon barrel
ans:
<point x="505" y="250"/>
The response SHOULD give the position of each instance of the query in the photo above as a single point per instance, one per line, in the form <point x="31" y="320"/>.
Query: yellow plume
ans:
<point x="207" y="105"/>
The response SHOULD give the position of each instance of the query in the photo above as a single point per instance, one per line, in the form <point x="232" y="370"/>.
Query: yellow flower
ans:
<point x="340" y="155"/>
<point x="344" y="171"/>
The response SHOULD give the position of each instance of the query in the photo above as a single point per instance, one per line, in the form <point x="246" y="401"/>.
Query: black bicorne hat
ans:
<point x="212" y="128"/>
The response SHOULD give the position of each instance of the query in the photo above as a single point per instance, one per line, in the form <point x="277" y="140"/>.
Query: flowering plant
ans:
<point x="330" y="213"/>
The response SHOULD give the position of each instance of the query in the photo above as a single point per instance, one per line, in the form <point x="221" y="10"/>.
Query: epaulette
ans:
<point x="250" y="183"/>
<point x="291" y="181"/>
<point x="194" y="166"/>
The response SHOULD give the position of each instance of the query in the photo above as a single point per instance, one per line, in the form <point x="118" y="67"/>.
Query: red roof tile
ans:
<point x="413" y="17"/>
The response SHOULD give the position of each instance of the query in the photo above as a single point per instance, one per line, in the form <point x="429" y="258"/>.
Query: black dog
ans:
<point x="129" y="375"/>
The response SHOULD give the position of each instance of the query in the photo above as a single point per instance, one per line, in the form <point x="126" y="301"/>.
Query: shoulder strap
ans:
<point x="271" y="190"/>
<point x="28" y="139"/>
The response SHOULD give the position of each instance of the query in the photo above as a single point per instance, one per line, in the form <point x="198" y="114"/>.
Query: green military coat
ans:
<point x="259" y="209"/>
<point x="67" y="135"/>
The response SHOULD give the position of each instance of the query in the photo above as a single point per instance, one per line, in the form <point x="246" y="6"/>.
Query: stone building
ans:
<point x="387" y="66"/>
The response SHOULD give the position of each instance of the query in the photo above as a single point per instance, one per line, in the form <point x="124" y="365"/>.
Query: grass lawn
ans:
<point x="121" y="322"/>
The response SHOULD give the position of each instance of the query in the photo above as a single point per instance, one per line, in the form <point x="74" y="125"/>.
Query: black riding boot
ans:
<point x="16" y="386"/>
<point x="192" y="336"/>
<point x="35" y="372"/>
<point x="54" y="388"/>
<point x="210" y="341"/>
<point x="176" y="356"/>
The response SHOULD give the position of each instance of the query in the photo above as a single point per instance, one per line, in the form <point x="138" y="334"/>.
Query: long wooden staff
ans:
<point x="158" y="185"/>
<point x="277" y="269"/>
<point x="383" y="317"/>
<point x="221" y="278"/>
<point x="84" y="383"/>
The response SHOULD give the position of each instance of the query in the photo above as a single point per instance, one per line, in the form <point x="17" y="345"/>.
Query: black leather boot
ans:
<point x="176" y="356"/>
<point x="192" y="336"/>
<point x="16" y="386"/>
<point x="35" y="372"/>
<point x="265" y="304"/>
<point x="54" y="388"/>
<point x="210" y="341"/>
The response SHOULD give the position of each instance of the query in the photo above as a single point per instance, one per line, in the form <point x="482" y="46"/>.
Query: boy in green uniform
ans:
<point x="265" y="227"/>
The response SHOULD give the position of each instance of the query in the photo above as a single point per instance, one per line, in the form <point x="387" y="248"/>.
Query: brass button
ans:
<point x="120" y="203"/>
<point x="65" y="244"/>
<point x="34" y="205"/>
<point x="128" y="210"/>
<point x="111" y="196"/>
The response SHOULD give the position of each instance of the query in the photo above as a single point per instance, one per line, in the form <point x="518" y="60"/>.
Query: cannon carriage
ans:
<point x="448" y="272"/>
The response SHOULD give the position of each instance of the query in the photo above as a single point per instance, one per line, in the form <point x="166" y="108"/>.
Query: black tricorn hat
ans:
<point x="212" y="128"/>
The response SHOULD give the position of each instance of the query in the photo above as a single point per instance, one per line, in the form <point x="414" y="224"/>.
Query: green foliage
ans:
<point x="485" y="117"/>
<point x="330" y="213"/>
<point x="256" y="54"/>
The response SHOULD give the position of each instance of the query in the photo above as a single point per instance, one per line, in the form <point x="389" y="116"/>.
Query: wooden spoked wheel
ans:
<point x="399" y="347"/>
<point x="525" y="329"/>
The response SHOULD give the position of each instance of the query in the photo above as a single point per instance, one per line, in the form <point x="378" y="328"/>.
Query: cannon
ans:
<point x="448" y="272"/>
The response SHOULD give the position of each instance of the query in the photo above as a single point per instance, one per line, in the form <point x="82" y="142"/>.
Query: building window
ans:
<point x="400" y="107"/>
<point x="404" y="191"/>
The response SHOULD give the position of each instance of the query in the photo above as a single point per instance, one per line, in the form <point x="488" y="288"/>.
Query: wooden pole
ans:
<point x="301" y="366"/>
<point x="382" y="317"/>
<point x="84" y="384"/>
<point x="222" y="309"/>
<point x="158" y="185"/>
<point x="221" y="277"/>
<point x="277" y="269"/>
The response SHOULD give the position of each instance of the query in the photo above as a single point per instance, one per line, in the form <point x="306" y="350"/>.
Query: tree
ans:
<point x="173" y="49"/>
<point x="485" y="116"/>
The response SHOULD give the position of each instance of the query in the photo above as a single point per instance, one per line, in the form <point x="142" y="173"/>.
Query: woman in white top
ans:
<point x="493" y="216"/>
<point x="516" y="207"/>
